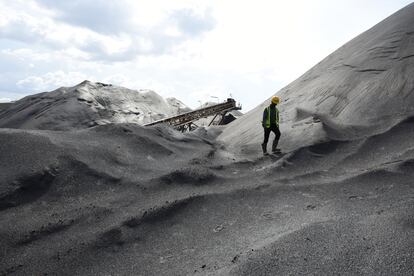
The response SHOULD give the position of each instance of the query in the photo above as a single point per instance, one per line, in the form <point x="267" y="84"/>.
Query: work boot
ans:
<point x="264" y="148"/>
<point x="274" y="146"/>
<point x="276" y="151"/>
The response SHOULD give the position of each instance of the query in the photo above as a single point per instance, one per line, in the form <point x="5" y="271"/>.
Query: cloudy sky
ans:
<point x="194" y="50"/>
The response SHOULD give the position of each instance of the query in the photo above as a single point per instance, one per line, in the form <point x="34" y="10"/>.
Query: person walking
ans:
<point x="270" y="123"/>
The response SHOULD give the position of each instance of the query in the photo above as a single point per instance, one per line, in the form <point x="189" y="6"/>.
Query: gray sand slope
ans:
<point x="363" y="88"/>
<point x="4" y="106"/>
<point x="121" y="199"/>
<point x="88" y="104"/>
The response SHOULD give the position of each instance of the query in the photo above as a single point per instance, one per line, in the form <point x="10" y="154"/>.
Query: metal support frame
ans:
<point x="185" y="121"/>
<point x="222" y="115"/>
<point x="215" y="116"/>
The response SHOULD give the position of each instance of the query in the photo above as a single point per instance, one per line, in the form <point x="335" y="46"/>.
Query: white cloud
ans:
<point x="5" y="100"/>
<point x="51" y="79"/>
<point x="107" y="17"/>
<point x="102" y="30"/>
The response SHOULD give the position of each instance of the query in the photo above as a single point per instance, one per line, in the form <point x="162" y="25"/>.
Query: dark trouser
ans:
<point x="267" y="131"/>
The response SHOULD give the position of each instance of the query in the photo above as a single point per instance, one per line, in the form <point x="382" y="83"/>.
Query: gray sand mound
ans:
<point x="88" y="104"/>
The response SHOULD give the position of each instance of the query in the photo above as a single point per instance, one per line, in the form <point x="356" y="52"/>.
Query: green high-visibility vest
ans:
<point x="267" y="123"/>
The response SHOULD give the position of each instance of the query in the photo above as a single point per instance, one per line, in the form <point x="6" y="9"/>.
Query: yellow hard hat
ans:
<point x="275" y="100"/>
